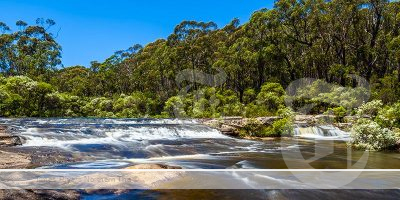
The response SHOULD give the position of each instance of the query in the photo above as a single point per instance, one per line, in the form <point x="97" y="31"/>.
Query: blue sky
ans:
<point x="92" y="30"/>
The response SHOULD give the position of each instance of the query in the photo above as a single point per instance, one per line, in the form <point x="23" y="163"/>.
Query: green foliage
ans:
<point x="325" y="96"/>
<point x="253" y="127"/>
<point x="249" y="96"/>
<point x="279" y="128"/>
<point x="326" y="40"/>
<point x="133" y="106"/>
<point x="174" y="107"/>
<point x="253" y="110"/>
<point x="369" y="135"/>
<point x="204" y="103"/>
<point x="271" y="97"/>
<point x="339" y="112"/>
<point x="21" y="96"/>
<point x="387" y="88"/>
<point x="370" y="109"/>
<point x="30" y="51"/>
<point x="389" y="116"/>
<point x="64" y="105"/>
<point x="73" y="80"/>
<point x="381" y="130"/>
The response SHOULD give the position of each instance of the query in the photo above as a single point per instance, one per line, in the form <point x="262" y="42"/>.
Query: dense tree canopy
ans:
<point x="326" y="40"/>
<point x="30" y="51"/>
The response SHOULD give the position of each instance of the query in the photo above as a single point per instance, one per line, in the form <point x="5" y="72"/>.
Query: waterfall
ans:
<point x="327" y="131"/>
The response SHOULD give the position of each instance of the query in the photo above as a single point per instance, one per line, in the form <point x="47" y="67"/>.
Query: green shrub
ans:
<point x="369" y="135"/>
<point x="286" y="113"/>
<point x="253" y="110"/>
<point x="340" y="113"/>
<point x="249" y="95"/>
<point x="175" y="107"/>
<point x="389" y="116"/>
<point x="370" y="109"/>
<point x="253" y="127"/>
<point x="271" y="97"/>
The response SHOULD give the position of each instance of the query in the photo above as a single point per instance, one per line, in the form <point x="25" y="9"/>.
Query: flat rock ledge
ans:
<point x="153" y="166"/>
<point x="12" y="160"/>
<point x="231" y="125"/>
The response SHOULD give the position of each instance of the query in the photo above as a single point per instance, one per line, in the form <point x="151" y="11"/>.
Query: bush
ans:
<point x="23" y="97"/>
<point x="174" y="107"/>
<point x="253" y="127"/>
<point x="249" y="95"/>
<point x="64" y="105"/>
<point x="340" y="113"/>
<point x="387" y="89"/>
<point x="253" y="110"/>
<point x="369" y="135"/>
<point x="271" y="97"/>
<point x="389" y="116"/>
<point x="320" y="96"/>
<point x="99" y="107"/>
<point x="370" y="109"/>
<point x="286" y="113"/>
<point x="135" y="105"/>
<point x="279" y="128"/>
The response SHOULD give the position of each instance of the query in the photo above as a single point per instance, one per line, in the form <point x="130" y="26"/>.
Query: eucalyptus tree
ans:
<point x="193" y="45"/>
<point x="31" y="51"/>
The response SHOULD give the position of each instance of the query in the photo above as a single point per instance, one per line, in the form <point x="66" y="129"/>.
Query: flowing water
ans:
<point x="119" y="143"/>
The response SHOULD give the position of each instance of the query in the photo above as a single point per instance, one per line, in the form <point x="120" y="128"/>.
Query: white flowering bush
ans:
<point x="369" y="135"/>
<point x="370" y="109"/>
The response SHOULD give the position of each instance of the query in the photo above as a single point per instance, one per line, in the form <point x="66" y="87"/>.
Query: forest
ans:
<point x="258" y="59"/>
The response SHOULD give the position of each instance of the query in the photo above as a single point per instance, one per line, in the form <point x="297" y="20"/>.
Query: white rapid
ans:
<point x="320" y="132"/>
<point x="62" y="137"/>
<point x="114" y="143"/>
<point x="66" y="132"/>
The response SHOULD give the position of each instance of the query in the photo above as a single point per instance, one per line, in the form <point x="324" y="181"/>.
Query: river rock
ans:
<point x="232" y="125"/>
<point x="310" y="120"/>
<point x="229" y="130"/>
<point x="11" y="160"/>
<point x="6" y="139"/>
<point x="153" y="166"/>
<point x="39" y="194"/>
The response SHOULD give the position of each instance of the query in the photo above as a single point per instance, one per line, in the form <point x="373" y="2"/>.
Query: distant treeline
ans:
<point x="327" y="40"/>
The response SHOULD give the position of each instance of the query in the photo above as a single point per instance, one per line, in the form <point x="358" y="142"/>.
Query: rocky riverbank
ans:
<point x="11" y="159"/>
<point x="233" y="126"/>
<point x="14" y="157"/>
